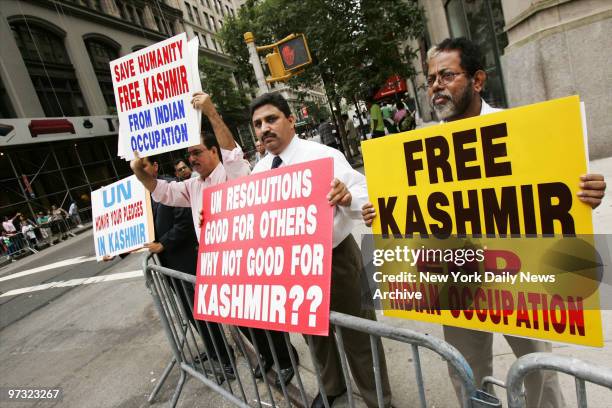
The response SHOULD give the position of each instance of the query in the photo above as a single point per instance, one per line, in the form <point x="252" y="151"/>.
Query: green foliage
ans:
<point x="354" y="43"/>
<point x="217" y="82"/>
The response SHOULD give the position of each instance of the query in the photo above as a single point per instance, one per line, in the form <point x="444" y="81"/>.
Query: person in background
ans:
<point x="182" y="171"/>
<point x="326" y="130"/>
<point x="377" y="124"/>
<point x="8" y="224"/>
<point x="351" y="134"/>
<point x="403" y="118"/>
<point x="27" y="229"/>
<point x="260" y="151"/>
<point x="58" y="214"/>
<point x="73" y="212"/>
<point x="43" y="222"/>
<point x="387" y="114"/>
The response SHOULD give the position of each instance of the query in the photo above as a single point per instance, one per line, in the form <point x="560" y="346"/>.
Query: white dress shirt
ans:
<point x="300" y="151"/>
<point x="485" y="108"/>
<point x="188" y="193"/>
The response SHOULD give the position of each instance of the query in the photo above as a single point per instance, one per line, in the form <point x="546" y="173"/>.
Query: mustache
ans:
<point x="267" y="134"/>
<point x="440" y="94"/>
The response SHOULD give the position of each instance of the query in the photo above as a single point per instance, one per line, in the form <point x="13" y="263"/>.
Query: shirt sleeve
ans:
<point x="234" y="163"/>
<point x="173" y="194"/>
<point x="355" y="183"/>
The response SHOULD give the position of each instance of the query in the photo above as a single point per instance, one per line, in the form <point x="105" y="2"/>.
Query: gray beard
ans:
<point x="452" y="108"/>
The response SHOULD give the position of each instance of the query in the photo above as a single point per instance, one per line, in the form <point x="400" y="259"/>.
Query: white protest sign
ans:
<point x="122" y="217"/>
<point x="153" y="89"/>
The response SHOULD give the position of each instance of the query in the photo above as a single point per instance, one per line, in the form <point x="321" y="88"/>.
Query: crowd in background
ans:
<point x="22" y="235"/>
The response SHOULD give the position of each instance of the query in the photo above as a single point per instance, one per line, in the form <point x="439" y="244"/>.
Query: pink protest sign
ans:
<point x="265" y="250"/>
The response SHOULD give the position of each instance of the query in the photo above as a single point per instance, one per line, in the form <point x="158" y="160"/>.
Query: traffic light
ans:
<point x="288" y="57"/>
<point x="295" y="53"/>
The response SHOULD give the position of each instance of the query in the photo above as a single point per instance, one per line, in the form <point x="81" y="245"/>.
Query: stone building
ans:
<point x="535" y="50"/>
<point x="58" y="131"/>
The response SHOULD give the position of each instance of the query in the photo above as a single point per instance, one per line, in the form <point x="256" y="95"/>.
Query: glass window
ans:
<point x="50" y="69"/>
<point x="482" y="21"/>
<point x="6" y="107"/>
<point x="195" y="11"/>
<point x="189" y="13"/>
<point x="207" y="18"/>
<point x="101" y="54"/>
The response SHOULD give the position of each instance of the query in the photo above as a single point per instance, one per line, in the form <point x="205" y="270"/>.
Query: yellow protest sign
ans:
<point x="510" y="173"/>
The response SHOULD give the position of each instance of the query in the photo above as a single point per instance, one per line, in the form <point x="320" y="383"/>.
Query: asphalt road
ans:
<point x="93" y="331"/>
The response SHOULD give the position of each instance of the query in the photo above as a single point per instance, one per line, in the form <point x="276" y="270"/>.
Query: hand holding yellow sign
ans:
<point x="511" y="173"/>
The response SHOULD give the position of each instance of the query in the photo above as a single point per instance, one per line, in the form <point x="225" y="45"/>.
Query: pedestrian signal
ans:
<point x="288" y="57"/>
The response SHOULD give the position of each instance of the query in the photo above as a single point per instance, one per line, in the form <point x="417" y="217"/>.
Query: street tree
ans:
<point x="355" y="44"/>
<point x="218" y="83"/>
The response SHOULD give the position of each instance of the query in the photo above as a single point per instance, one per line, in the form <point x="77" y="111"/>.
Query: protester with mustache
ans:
<point x="455" y="80"/>
<point x="275" y="126"/>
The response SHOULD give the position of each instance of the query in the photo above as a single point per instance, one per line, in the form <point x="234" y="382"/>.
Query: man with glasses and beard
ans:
<point x="455" y="80"/>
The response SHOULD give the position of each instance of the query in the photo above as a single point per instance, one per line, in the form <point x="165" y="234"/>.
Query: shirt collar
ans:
<point x="290" y="151"/>
<point x="485" y="108"/>
<point x="216" y="176"/>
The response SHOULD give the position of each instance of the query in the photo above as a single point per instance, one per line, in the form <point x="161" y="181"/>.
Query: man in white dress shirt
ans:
<point x="455" y="79"/>
<point x="275" y="128"/>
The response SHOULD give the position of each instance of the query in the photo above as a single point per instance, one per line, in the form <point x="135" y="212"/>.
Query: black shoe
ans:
<point x="200" y="358"/>
<point x="318" y="401"/>
<point x="226" y="367"/>
<point x="285" y="375"/>
<point x="257" y="371"/>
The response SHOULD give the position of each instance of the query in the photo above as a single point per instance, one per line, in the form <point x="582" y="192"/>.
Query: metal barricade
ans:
<point x="581" y="370"/>
<point x="18" y="246"/>
<point x="166" y="286"/>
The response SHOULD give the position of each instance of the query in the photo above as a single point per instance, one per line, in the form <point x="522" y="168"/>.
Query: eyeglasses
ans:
<point x="444" y="78"/>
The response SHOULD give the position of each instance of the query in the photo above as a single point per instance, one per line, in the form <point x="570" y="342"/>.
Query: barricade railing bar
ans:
<point x="582" y="372"/>
<point x="172" y="293"/>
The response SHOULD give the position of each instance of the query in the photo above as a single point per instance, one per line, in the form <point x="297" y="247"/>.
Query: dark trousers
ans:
<point x="377" y="133"/>
<point x="185" y="292"/>
<point x="280" y="346"/>
<point x="346" y="298"/>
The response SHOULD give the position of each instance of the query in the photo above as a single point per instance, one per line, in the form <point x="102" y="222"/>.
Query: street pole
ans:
<point x="254" y="59"/>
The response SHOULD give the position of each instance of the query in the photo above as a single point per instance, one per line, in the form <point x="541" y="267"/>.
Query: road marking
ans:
<point x="76" y="282"/>
<point x="65" y="262"/>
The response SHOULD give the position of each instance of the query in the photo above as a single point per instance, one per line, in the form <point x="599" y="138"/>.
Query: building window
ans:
<point x="101" y="54"/>
<point x="482" y="21"/>
<point x="195" y="11"/>
<point x="207" y="18"/>
<point x="135" y="16"/>
<point x="122" y="10"/>
<point x="212" y="24"/>
<point x="6" y="107"/>
<point x="189" y="13"/>
<point x="50" y="69"/>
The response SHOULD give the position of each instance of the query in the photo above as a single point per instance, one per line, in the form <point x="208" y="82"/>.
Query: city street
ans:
<point x="93" y="331"/>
